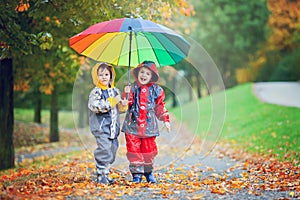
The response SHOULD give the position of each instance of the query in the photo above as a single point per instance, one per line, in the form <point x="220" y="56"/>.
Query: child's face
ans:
<point x="144" y="75"/>
<point x="104" y="76"/>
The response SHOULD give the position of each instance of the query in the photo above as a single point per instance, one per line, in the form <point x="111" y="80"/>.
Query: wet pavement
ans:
<point x="281" y="93"/>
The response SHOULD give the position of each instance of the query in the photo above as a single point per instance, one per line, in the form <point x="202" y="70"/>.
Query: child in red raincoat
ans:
<point x="145" y="105"/>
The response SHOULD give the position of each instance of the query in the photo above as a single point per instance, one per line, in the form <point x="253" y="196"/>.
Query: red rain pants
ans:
<point x="140" y="153"/>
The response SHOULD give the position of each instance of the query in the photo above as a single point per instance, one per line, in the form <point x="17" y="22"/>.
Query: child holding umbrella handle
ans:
<point x="145" y="106"/>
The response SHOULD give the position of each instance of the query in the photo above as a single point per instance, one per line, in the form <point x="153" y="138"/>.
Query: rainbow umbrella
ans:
<point x="130" y="41"/>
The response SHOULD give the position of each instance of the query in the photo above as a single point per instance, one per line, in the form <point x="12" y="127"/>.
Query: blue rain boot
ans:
<point x="137" y="178"/>
<point x="150" y="178"/>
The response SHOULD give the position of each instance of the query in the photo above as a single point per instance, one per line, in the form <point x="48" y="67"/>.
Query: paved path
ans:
<point x="281" y="93"/>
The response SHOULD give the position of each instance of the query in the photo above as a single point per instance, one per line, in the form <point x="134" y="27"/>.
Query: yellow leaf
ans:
<point x="67" y="186"/>
<point x="179" y="169"/>
<point x="114" y="175"/>
<point x="218" y="191"/>
<point x="91" y="165"/>
<point x="209" y="168"/>
<point x="82" y="166"/>
<point x="197" y="196"/>
<point x="47" y="19"/>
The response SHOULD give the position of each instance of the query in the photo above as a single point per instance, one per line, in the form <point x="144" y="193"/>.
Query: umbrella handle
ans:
<point x="127" y="94"/>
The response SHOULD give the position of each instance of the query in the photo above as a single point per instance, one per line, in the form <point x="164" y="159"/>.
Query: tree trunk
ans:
<point x="225" y="73"/>
<point x="54" y="135"/>
<point x="82" y="112"/>
<point x="189" y="79"/>
<point x="174" y="83"/>
<point x="198" y="85"/>
<point x="7" y="153"/>
<point x="37" y="105"/>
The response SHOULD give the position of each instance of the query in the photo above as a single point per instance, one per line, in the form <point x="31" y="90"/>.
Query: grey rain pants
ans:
<point x="105" y="153"/>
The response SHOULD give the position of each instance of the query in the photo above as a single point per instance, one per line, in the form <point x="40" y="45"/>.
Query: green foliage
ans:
<point x="14" y="32"/>
<point x="251" y="124"/>
<point x="280" y="66"/>
<point x="288" y="68"/>
<point x="269" y="67"/>
<point x="230" y="31"/>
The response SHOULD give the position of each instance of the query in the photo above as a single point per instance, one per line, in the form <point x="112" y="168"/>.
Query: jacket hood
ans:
<point x="96" y="79"/>
<point x="150" y="65"/>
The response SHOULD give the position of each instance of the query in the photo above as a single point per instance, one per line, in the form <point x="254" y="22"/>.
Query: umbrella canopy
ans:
<point x="130" y="41"/>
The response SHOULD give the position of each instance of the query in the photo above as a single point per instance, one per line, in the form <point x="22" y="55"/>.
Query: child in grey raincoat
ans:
<point x="104" y="106"/>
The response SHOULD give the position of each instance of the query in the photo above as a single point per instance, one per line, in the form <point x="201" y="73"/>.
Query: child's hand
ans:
<point x="168" y="126"/>
<point x="124" y="102"/>
<point x="118" y="98"/>
<point x="127" y="89"/>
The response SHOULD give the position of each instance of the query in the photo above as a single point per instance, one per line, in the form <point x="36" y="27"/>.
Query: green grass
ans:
<point x="65" y="118"/>
<point x="249" y="123"/>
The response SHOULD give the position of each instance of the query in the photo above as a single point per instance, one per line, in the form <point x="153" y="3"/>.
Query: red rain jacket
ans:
<point x="146" y="105"/>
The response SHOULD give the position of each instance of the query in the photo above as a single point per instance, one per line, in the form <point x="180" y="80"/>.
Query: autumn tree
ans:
<point x="21" y="32"/>
<point x="42" y="28"/>
<point x="279" y="56"/>
<point x="14" y="41"/>
<point x="56" y="67"/>
<point x="230" y="31"/>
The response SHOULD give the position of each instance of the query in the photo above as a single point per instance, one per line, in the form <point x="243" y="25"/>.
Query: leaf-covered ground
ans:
<point x="74" y="178"/>
<point x="224" y="173"/>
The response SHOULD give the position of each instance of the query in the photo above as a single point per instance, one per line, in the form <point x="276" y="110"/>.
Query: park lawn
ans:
<point x="250" y="124"/>
<point x="65" y="118"/>
<point x="29" y="136"/>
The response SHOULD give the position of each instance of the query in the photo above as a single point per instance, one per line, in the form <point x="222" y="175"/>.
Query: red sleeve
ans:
<point x="124" y="95"/>
<point x="160" y="109"/>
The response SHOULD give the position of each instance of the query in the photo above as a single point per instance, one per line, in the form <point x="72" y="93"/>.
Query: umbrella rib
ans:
<point x="183" y="48"/>
<point x="142" y="34"/>
<point x="107" y="46"/>
<point x="172" y="53"/>
<point x="164" y="45"/>
<point x="157" y="58"/>
<point x="137" y="48"/>
<point x="122" y="45"/>
<point x="78" y="42"/>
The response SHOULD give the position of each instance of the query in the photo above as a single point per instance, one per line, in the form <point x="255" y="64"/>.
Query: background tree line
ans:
<point x="250" y="40"/>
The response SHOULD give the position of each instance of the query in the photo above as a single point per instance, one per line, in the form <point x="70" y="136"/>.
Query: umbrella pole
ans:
<point x="129" y="60"/>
